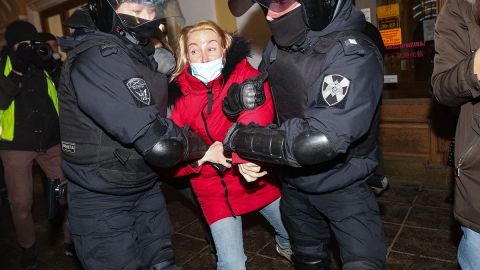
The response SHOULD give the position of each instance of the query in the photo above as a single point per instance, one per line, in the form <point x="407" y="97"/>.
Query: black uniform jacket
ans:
<point x="341" y="101"/>
<point x="115" y="96"/>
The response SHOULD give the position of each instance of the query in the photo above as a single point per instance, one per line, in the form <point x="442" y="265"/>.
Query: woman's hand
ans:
<point x="215" y="154"/>
<point x="251" y="171"/>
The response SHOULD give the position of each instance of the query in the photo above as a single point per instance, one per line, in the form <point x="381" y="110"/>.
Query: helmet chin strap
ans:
<point x="139" y="35"/>
<point x="128" y="36"/>
<point x="118" y="29"/>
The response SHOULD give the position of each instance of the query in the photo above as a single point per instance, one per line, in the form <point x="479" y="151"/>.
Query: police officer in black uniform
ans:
<point x="326" y="79"/>
<point x="113" y="130"/>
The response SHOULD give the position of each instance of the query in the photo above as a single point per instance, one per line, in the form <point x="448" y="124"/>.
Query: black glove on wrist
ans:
<point x="194" y="146"/>
<point x="247" y="96"/>
<point x="22" y="57"/>
<point x="228" y="146"/>
<point x="19" y="65"/>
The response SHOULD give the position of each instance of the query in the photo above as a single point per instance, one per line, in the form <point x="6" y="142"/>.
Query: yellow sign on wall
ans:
<point x="388" y="17"/>
<point x="388" y="11"/>
<point x="392" y="37"/>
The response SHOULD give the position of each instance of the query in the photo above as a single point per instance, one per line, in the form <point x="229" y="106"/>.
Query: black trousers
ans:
<point x="352" y="214"/>
<point x="120" y="231"/>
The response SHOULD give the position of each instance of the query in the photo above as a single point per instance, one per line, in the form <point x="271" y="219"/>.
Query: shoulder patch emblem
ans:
<point x="139" y="90"/>
<point x="350" y="42"/>
<point x="334" y="88"/>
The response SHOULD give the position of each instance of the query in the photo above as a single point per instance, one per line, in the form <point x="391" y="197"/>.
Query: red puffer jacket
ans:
<point x="219" y="196"/>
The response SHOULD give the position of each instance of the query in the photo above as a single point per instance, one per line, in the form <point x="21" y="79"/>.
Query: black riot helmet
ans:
<point x="137" y="18"/>
<point x="317" y="13"/>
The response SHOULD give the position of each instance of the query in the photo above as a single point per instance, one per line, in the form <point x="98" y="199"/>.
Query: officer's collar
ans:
<point x="310" y="40"/>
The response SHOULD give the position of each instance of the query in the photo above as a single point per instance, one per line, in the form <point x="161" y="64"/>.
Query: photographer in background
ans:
<point x="29" y="126"/>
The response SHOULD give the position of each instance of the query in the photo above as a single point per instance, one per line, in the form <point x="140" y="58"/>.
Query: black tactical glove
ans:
<point x="194" y="146"/>
<point x="246" y="96"/>
<point x="23" y="55"/>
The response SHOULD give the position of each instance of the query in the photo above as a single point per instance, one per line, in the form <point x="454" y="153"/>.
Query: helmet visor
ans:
<point x="276" y="5"/>
<point x="134" y="13"/>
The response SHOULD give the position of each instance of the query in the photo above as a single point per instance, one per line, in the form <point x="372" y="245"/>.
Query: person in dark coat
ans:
<point x="326" y="78"/>
<point x="29" y="127"/>
<point x="455" y="83"/>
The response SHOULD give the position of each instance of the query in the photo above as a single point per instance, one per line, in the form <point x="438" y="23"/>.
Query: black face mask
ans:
<point x="143" y="30"/>
<point x="290" y="29"/>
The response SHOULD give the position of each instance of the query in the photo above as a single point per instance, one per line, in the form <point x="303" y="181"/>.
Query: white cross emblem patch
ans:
<point x="139" y="89"/>
<point x="334" y="88"/>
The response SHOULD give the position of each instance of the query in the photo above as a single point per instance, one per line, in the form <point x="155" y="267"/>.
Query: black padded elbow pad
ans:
<point x="313" y="147"/>
<point x="168" y="152"/>
<point x="261" y="144"/>
<point x="165" y="153"/>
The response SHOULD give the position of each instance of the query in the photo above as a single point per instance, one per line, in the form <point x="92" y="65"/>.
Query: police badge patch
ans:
<point x="334" y="89"/>
<point x="139" y="90"/>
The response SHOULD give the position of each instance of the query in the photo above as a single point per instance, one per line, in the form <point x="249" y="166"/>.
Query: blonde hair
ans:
<point x="182" y="50"/>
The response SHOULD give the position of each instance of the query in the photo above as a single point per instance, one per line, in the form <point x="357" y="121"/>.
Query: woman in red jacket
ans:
<point x="209" y="62"/>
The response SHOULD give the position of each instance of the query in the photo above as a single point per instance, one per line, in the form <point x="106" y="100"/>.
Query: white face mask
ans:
<point x="207" y="72"/>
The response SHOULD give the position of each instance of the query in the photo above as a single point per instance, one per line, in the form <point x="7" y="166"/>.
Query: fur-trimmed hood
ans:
<point x="239" y="50"/>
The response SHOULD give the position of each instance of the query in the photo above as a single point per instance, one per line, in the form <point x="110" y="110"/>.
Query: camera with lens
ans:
<point x="42" y="50"/>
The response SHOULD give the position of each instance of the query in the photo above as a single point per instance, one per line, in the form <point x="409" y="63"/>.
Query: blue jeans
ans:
<point x="468" y="250"/>
<point x="228" y="237"/>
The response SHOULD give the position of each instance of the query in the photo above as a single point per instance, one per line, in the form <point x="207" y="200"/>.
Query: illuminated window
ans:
<point x="407" y="29"/>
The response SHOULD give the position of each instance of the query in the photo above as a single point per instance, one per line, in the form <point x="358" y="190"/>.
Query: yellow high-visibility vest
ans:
<point x="7" y="117"/>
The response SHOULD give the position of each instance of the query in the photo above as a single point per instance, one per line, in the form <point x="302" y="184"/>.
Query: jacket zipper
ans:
<point x="210" y="99"/>
<point x="225" y="188"/>
<point x="460" y="161"/>
<point x="205" y="125"/>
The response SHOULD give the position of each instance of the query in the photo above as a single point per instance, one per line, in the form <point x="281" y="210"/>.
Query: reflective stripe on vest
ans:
<point x="52" y="92"/>
<point x="7" y="117"/>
